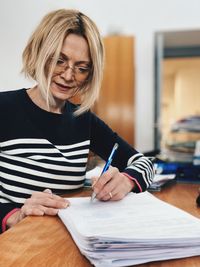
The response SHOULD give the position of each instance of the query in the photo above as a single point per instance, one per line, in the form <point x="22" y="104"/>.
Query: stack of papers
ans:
<point x="138" y="229"/>
<point x="161" y="180"/>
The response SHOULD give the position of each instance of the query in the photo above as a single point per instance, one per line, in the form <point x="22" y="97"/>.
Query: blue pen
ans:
<point x="107" y="165"/>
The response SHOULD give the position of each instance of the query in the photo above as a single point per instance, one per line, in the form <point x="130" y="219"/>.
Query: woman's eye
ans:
<point x="83" y="69"/>
<point x="60" y="61"/>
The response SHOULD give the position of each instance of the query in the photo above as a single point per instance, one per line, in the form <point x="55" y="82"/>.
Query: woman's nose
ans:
<point x="68" y="74"/>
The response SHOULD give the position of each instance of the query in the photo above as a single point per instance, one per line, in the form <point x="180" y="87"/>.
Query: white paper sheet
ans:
<point x="140" y="228"/>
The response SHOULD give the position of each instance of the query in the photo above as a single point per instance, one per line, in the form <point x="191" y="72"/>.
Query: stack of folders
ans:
<point x="138" y="229"/>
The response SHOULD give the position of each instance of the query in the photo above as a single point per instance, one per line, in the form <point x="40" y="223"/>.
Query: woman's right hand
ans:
<point x="39" y="204"/>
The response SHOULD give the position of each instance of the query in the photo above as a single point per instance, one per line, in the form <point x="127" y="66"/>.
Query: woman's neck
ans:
<point x="37" y="98"/>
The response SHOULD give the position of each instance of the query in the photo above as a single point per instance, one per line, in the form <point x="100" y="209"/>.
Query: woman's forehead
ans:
<point x="75" y="47"/>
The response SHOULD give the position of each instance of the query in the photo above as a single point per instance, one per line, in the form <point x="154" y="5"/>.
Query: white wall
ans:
<point x="141" y="18"/>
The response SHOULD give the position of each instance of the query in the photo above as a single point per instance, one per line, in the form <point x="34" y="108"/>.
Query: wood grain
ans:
<point x="45" y="242"/>
<point x="116" y="103"/>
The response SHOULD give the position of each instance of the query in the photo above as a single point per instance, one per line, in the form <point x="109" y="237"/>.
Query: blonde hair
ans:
<point x="43" y="49"/>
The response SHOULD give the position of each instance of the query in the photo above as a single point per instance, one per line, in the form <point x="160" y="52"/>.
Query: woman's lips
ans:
<point x="64" y="87"/>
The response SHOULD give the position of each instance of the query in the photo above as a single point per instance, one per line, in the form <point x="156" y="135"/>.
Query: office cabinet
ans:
<point x="180" y="108"/>
<point x="116" y="101"/>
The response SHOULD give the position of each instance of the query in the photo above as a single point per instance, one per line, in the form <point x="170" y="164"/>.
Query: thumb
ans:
<point x="94" y="180"/>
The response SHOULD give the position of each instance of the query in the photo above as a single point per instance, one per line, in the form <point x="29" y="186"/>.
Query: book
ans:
<point x="137" y="229"/>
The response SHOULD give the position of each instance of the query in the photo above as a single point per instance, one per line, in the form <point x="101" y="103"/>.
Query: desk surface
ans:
<point x="45" y="242"/>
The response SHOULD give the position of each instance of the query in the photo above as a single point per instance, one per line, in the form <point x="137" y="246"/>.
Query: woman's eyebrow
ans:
<point x="63" y="56"/>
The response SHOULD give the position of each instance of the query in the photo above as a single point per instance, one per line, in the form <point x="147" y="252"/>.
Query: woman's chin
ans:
<point x="61" y="93"/>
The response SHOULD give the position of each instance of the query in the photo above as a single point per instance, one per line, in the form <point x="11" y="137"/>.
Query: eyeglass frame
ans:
<point x="66" y="66"/>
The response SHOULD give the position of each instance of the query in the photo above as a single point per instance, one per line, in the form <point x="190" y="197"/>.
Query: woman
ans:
<point x="45" y="140"/>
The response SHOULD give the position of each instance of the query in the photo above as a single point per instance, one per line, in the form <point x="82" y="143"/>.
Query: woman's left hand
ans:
<point x="112" y="185"/>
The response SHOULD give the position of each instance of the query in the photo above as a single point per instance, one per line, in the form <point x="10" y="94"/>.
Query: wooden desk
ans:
<point x="45" y="242"/>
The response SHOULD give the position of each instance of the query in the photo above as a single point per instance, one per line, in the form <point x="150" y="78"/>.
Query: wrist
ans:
<point x="12" y="218"/>
<point x="137" y="187"/>
<point x="130" y="181"/>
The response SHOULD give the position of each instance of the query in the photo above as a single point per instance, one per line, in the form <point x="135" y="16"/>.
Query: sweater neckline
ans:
<point x="40" y="110"/>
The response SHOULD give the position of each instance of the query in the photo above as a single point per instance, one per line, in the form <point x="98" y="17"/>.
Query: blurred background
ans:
<point x="151" y="89"/>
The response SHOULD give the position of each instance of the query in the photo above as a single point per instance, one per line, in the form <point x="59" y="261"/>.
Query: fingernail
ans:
<point x="48" y="191"/>
<point x="65" y="205"/>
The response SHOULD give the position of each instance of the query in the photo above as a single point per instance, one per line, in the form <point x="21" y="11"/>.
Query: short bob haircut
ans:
<point x="43" y="50"/>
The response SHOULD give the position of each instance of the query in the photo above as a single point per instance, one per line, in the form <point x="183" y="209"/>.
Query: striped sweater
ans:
<point x="40" y="150"/>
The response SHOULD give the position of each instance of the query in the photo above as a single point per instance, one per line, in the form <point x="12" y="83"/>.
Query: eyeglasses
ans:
<point x="80" y="72"/>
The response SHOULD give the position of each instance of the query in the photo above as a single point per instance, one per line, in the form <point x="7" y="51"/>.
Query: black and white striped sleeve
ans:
<point x="140" y="170"/>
